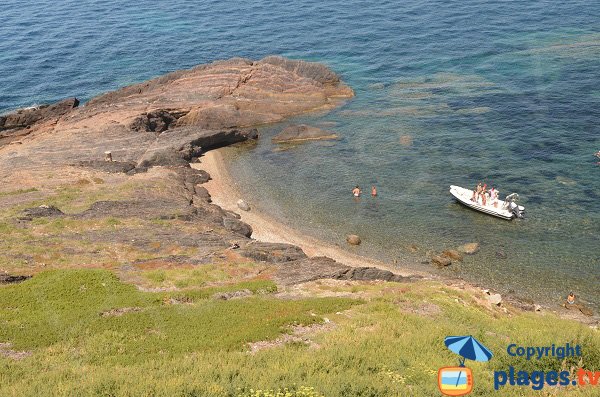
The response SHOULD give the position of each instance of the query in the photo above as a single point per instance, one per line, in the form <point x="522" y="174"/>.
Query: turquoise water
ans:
<point x="446" y="93"/>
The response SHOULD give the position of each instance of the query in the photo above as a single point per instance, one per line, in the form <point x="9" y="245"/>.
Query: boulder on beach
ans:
<point x="495" y="299"/>
<point x="237" y="226"/>
<point x="243" y="205"/>
<point x="353" y="239"/>
<point x="302" y="132"/>
<point x="469" y="248"/>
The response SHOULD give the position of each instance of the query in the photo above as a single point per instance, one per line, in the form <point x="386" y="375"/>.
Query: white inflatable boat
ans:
<point x="505" y="209"/>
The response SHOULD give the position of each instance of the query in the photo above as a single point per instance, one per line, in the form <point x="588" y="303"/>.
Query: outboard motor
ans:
<point x="513" y="206"/>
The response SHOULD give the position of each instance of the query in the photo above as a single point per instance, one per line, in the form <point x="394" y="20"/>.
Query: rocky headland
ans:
<point x="151" y="132"/>
<point x="147" y="207"/>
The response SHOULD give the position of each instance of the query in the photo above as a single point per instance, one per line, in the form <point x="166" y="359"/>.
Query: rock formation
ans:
<point x="301" y="133"/>
<point x="153" y="130"/>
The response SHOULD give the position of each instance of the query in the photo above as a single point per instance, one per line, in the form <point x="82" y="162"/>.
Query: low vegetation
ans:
<point x="91" y="334"/>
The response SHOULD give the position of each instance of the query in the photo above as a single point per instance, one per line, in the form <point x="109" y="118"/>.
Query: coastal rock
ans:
<point x="24" y="118"/>
<point x="469" y="248"/>
<point x="302" y="132"/>
<point x="495" y="299"/>
<point x="272" y="252"/>
<point x="11" y="279"/>
<point x="453" y="254"/>
<point x="232" y="295"/>
<point x="353" y="239"/>
<point x="157" y="121"/>
<point x="369" y="274"/>
<point x="41" y="212"/>
<point x="112" y="167"/>
<point x="316" y="268"/>
<point x="243" y="205"/>
<point x="202" y="194"/>
<point x="237" y="226"/>
<point x="440" y="261"/>
<point x="500" y="254"/>
<point x="232" y="214"/>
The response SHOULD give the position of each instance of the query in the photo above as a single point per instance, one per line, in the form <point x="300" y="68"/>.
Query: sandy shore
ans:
<point x="225" y="193"/>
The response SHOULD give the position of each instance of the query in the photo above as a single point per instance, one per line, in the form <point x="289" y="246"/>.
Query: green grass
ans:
<point x="378" y="347"/>
<point x="17" y="192"/>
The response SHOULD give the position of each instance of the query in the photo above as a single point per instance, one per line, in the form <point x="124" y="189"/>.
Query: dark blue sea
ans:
<point x="451" y="92"/>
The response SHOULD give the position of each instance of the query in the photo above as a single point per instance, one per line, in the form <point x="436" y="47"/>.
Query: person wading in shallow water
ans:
<point x="373" y="191"/>
<point x="356" y="191"/>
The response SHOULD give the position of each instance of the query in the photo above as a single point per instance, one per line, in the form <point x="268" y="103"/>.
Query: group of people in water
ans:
<point x="357" y="191"/>
<point x="483" y="196"/>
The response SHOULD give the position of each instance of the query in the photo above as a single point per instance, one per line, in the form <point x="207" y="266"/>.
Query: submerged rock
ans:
<point x="302" y="132"/>
<point x="353" y="239"/>
<point x="440" y="261"/>
<point x="452" y="254"/>
<point x="243" y="205"/>
<point x="469" y="248"/>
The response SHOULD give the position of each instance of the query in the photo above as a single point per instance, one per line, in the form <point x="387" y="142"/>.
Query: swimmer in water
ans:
<point x="356" y="191"/>
<point x="373" y="191"/>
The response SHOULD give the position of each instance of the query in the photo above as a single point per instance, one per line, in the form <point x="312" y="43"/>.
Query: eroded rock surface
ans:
<point x="301" y="133"/>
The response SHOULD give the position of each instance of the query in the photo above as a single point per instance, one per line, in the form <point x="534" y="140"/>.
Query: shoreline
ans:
<point x="224" y="193"/>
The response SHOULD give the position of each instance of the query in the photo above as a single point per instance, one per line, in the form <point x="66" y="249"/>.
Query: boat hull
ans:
<point x="463" y="196"/>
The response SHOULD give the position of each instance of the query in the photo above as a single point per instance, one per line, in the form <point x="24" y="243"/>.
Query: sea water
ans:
<point x="447" y="93"/>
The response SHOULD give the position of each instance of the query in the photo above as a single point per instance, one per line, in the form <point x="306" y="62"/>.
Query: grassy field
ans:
<point x="87" y="333"/>
<point x="105" y="315"/>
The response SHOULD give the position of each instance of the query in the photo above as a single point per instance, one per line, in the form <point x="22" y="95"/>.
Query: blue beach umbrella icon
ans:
<point x="468" y="348"/>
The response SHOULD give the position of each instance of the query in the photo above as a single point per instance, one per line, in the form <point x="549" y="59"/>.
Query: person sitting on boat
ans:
<point x="476" y="192"/>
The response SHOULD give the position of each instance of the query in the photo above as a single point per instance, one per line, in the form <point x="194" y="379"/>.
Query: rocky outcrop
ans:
<point x="42" y="211"/>
<point x="301" y="133"/>
<point x="108" y="166"/>
<point x="25" y="118"/>
<point x="309" y="269"/>
<point x="237" y="226"/>
<point x="272" y="252"/>
<point x="152" y="131"/>
<point x="12" y="279"/>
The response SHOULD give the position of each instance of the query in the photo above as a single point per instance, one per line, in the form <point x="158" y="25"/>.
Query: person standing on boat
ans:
<point x="494" y="197"/>
<point x="476" y="192"/>
<point x="482" y="194"/>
